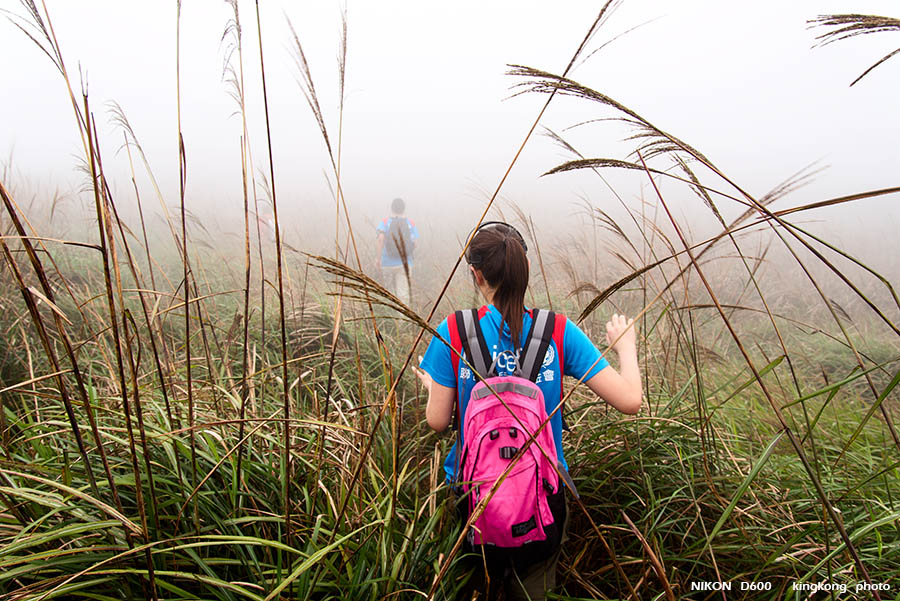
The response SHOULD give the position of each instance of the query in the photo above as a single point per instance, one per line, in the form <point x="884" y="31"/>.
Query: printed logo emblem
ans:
<point x="506" y="362"/>
<point x="549" y="357"/>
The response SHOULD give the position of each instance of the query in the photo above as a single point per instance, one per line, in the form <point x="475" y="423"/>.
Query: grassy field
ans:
<point x="182" y="421"/>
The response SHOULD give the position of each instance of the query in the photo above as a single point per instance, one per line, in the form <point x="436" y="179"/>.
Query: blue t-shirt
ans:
<point x="582" y="359"/>
<point x="383" y="228"/>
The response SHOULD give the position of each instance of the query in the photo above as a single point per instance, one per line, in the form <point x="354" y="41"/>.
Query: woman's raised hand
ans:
<point x="621" y="333"/>
<point x="424" y="376"/>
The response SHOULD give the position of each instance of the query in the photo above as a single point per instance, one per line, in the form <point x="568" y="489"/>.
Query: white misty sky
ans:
<point x="427" y="114"/>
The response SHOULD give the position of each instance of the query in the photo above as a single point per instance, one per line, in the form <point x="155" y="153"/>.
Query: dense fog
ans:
<point x="430" y="115"/>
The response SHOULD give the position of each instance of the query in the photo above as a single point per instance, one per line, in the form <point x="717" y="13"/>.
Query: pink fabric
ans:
<point x="518" y="511"/>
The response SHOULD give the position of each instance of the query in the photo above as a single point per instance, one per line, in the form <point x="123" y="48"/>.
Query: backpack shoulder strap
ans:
<point x="559" y="332"/>
<point x="456" y="347"/>
<point x="542" y="327"/>
<point x="472" y="339"/>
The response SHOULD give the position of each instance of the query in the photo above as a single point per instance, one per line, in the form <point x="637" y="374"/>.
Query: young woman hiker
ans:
<point x="499" y="265"/>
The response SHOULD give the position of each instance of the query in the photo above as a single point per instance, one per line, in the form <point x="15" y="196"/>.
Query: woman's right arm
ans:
<point x="620" y="389"/>
<point x="441" y="388"/>
<point x="439" y="410"/>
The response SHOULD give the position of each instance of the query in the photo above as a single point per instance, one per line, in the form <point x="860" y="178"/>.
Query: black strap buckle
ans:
<point x="508" y="452"/>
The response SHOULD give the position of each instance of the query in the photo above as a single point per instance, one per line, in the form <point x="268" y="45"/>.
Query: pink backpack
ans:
<point x="502" y="416"/>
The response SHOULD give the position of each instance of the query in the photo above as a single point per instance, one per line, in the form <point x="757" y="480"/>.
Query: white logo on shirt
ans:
<point x="506" y="362"/>
<point x="547" y="375"/>
<point x="549" y="357"/>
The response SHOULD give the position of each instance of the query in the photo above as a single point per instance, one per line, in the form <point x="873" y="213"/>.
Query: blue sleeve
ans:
<point x="382" y="228"/>
<point x="581" y="356"/>
<point x="437" y="361"/>
<point x="414" y="233"/>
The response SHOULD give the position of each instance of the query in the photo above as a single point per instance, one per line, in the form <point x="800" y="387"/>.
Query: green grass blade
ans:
<point x="745" y="485"/>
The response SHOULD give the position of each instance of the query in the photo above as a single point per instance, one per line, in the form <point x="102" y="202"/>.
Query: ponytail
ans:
<point x="498" y="252"/>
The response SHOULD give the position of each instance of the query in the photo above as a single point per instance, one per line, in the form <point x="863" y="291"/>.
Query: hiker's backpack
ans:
<point x="399" y="243"/>
<point x="503" y="414"/>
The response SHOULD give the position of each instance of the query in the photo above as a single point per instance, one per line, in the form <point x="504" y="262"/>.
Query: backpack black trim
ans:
<point x="470" y="335"/>
<point x="468" y="327"/>
<point x="535" y="349"/>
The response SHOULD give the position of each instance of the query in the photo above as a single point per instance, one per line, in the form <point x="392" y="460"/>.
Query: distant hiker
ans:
<point x="523" y="524"/>
<point x="397" y="237"/>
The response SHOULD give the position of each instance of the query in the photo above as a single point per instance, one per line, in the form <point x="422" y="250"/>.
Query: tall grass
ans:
<point x="297" y="465"/>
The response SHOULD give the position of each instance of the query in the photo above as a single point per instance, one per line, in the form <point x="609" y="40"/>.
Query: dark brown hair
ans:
<point x="498" y="251"/>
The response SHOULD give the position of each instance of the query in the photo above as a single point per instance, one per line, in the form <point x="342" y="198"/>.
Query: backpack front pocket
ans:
<point x="513" y="515"/>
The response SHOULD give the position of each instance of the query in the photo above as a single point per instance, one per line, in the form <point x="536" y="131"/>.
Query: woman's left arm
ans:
<point x="622" y="389"/>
